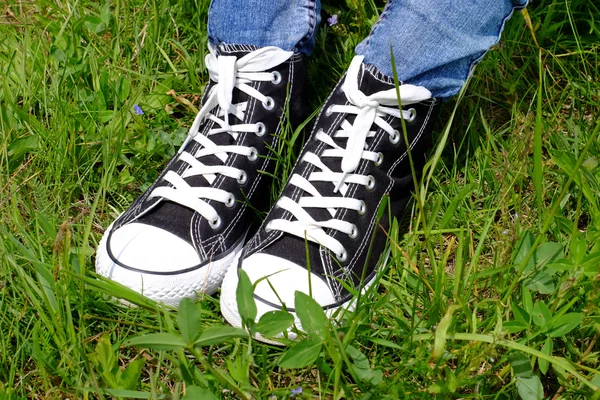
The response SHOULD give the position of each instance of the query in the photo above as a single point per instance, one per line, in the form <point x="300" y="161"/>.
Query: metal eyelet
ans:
<point x="354" y="233"/>
<point x="276" y="80"/>
<point x="379" y="160"/>
<point x="215" y="223"/>
<point x="329" y="111"/>
<point x="253" y="156"/>
<point x="363" y="208"/>
<point x="262" y="129"/>
<point x="395" y="138"/>
<point x="269" y="104"/>
<point x="342" y="257"/>
<point x="230" y="201"/>
<point x="243" y="178"/>
<point x="413" y="115"/>
<point x="371" y="182"/>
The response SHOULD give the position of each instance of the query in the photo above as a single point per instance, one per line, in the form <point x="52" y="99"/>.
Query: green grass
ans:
<point x="493" y="293"/>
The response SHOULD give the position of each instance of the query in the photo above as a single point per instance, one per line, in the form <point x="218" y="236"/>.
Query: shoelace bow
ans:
<point x="369" y="110"/>
<point x="228" y="72"/>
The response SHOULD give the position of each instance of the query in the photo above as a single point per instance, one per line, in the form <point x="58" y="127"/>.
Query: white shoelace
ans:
<point x="369" y="110"/>
<point x="229" y="73"/>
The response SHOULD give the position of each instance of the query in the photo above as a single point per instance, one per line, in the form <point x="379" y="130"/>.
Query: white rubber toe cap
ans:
<point x="151" y="249"/>
<point x="286" y="278"/>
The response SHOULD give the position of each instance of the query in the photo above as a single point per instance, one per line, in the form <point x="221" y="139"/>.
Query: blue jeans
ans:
<point x="436" y="43"/>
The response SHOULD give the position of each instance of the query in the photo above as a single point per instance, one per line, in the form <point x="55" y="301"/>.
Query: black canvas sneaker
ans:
<point x="355" y="156"/>
<point x="180" y="236"/>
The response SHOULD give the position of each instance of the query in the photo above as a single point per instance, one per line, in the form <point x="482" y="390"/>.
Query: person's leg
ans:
<point x="435" y="43"/>
<point x="288" y="24"/>
<point x="323" y="235"/>
<point x="181" y="235"/>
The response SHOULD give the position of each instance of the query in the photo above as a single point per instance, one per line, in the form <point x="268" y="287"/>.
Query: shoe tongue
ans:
<point x="237" y="50"/>
<point x="167" y="214"/>
<point x="223" y="139"/>
<point x="371" y="81"/>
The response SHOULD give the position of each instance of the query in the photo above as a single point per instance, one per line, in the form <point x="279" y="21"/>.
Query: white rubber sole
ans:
<point x="230" y="312"/>
<point x="167" y="289"/>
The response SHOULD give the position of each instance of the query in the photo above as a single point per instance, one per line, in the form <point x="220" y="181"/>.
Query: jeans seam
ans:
<point x="498" y="36"/>
<point x="386" y="11"/>
<point x="312" y="18"/>
<point x="211" y="38"/>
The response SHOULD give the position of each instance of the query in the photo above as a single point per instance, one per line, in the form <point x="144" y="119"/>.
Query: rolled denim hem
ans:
<point x="290" y="25"/>
<point x="436" y="43"/>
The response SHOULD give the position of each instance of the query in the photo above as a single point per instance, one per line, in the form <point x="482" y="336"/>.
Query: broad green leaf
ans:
<point x="577" y="247"/>
<point x="446" y="385"/>
<point x="274" y="322"/>
<point x="58" y="54"/>
<point x="123" y="88"/>
<point x="543" y="254"/>
<point x="439" y="343"/>
<point x="311" y="314"/>
<point x="530" y="388"/>
<point x="239" y="368"/>
<point x="105" y="354"/>
<point x="591" y="263"/>
<point x="360" y="360"/>
<point x="561" y="325"/>
<point x="590" y="163"/>
<point x="436" y="388"/>
<point x="560" y="372"/>
<point x="547" y="252"/>
<point x="541" y="282"/>
<point x="189" y="320"/>
<point x="187" y="371"/>
<point x="94" y="24"/>
<point x="244" y="296"/>
<point x="105" y="14"/>
<point x="361" y="367"/>
<point x="524" y="247"/>
<point x="196" y="393"/>
<point x="157" y="341"/>
<point x="372" y="376"/>
<point x="520" y="364"/>
<point x="21" y="146"/>
<point x="219" y="334"/>
<point x="541" y="314"/>
<point x="546" y="349"/>
<point x="520" y="314"/>
<point x="560" y="265"/>
<point x="451" y="381"/>
<point x="540" y="278"/>
<point x="514" y="326"/>
<point x="130" y="378"/>
<point x="304" y="353"/>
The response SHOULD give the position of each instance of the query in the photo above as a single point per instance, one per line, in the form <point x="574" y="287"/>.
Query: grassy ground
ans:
<point x="494" y="292"/>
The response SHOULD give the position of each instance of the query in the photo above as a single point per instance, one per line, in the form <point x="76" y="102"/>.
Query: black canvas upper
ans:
<point x="393" y="177"/>
<point x="236" y="220"/>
